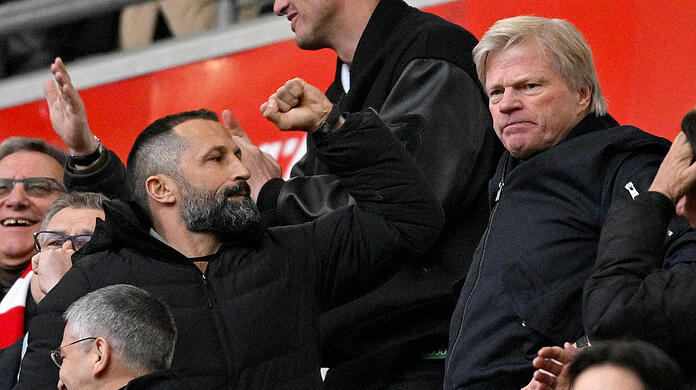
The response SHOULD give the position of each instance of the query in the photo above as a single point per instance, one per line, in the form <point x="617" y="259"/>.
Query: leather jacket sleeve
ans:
<point x="437" y="113"/>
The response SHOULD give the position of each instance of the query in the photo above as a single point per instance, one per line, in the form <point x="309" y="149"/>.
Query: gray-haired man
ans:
<point x="116" y="337"/>
<point x="567" y="161"/>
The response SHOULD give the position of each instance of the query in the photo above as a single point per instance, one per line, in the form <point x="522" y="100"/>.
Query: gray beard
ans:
<point x="213" y="212"/>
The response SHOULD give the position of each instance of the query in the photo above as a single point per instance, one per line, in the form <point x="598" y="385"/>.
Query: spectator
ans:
<point x="31" y="178"/>
<point x="415" y="70"/>
<point x="142" y="23"/>
<point x="116" y="337"/>
<point x="624" y="366"/>
<point x="567" y="162"/>
<point x="631" y="293"/>
<point x="245" y="299"/>
<point x="34" y="48"/>
<point x="67" y="226"/>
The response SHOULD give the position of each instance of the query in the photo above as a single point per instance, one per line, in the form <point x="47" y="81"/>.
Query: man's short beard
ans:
<point x="213" y="212"/>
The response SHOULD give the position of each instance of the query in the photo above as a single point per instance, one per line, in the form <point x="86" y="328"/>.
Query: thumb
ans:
<point x="232" y="124"/>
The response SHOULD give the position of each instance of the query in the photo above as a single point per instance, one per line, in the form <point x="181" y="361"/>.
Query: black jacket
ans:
<point x="416" y="70"/>
<point x="251" y="320"/>
<point x="158" y="380"/>
<point x="524" y="290"/>
<point x="630" y="294"/>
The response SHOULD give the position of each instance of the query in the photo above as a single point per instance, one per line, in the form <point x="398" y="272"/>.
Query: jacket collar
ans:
<point x="128" y="225"/>
<point x="383" y="21"/>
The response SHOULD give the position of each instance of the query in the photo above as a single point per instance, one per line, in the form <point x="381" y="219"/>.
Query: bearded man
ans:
<point x="246" y="299"/>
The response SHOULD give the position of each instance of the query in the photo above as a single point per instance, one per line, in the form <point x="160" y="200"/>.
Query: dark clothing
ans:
<point x="251" y="320"/>
<point x="108" y="176"/>
<point x="416" y="70"/>
<point x="10" y="359"/>
<point x="158" y="380"/>
<point x="630" y="294"/>
<point x="524" y="290"/>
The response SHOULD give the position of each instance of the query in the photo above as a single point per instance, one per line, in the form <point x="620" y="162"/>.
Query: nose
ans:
<point x="68" y="244"/>
<point x="17" y="198"/>
<point x="280" y="7"/>
<point x="238" y="170"/>
<point x="509" y="101"/>
<point x="61" y="385"/>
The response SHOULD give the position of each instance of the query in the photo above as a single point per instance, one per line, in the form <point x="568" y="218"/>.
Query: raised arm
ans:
<point x="641" y="287"/>
<point x="396" y="214"/>
<point x="436" y="111"/>
<point x="106" y="173"/>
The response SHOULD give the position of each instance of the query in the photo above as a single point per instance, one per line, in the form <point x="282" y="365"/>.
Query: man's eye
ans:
<point x="532" y="85"/>
<point x="40" y="188"/>
<point x="54" y="242"/>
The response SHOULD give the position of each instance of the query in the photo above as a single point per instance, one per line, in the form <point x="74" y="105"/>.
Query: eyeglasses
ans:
<point x="58" y="358"/>
<point x="46" y="239"/>
<point x="38" y="187"/>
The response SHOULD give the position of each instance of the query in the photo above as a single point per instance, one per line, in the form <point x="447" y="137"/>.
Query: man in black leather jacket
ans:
<point x="415" y="70"/>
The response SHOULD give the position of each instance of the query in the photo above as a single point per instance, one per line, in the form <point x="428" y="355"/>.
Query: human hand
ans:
<point x="676" y="174"/>
<point x="261" y="165"/>
<point x="298" y="105"/>
<point x="552" y="368"/>
<point x="67" y="112"/>
<point x="49" y="266"/>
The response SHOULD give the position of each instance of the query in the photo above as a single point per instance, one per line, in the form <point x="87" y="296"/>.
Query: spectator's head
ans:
<point x="69" y="224"/>
<point x="633" y="365"/>
<point x="320" y="24"/>
<point x="186" y="168"/>
<point x="31" y="178"/>
<point x="113" y="335"/>
<point x="540" y="80"/>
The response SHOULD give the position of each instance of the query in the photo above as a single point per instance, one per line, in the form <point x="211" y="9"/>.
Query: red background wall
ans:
<point x="644" y="53"/>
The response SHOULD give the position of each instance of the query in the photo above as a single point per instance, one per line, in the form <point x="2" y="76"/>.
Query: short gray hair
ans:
<point x="139" y="327"/>
<point x="77" y="200"/>
<point x="25" y="144"/>
<point x="159" y="155"/>
<point x="558" y="39"/>
<point x="157" y="149"/>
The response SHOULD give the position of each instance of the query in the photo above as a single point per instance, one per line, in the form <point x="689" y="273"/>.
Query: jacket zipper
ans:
<point x="501" y="184"/>
<point x="219" y="325"/>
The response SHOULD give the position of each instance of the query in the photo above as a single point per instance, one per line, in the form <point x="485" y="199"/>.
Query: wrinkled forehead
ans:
<point x="23" y="164"/>
<point x="202" y="135"/>
<point x="72" y="220"/>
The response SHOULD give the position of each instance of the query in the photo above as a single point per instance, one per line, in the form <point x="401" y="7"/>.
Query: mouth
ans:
<point x="516" y="124"/>
<point x="239" y="190"/>
<point x="16" y="222"/>
<point x="292" y="17"/>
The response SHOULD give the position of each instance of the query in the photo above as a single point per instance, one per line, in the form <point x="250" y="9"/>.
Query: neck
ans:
<point x="116" y="377"/>
<point x="9" y="274"/>
<point x="188" y="243"/>
<point x="350" y="27"/>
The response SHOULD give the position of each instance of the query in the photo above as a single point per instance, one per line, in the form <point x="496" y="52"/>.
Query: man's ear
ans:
<point x="584" y="97"/>
<point x="103" y="351"/>
<point x="161" y="189"/>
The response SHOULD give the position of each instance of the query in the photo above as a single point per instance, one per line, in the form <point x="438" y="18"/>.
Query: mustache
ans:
<point x="239" y="189"/>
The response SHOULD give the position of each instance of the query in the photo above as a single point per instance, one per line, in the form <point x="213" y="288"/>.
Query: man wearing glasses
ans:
<point x="67" y="226"/>
<point x="31" y="178"/>
<point x="117" y="337"/>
